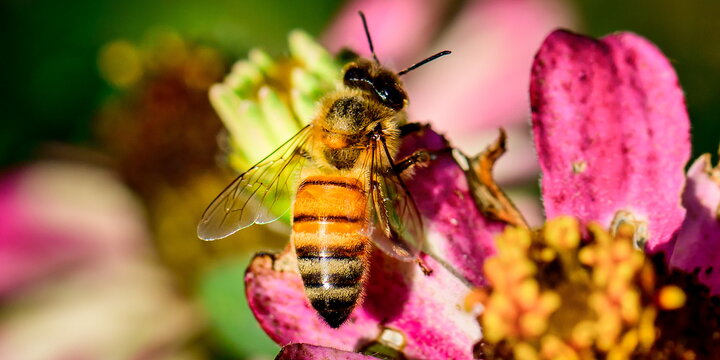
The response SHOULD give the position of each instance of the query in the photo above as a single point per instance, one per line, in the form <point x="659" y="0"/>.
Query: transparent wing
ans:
<point x="260" y="195"/>
<point x="395" y="211"/>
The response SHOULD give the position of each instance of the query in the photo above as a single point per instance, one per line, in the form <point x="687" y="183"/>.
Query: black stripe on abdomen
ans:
<point x="349" y="277"/>
<point x="330" y="271"/>
<point x="311" y="251"/>
<point x="325" y="218"/>
<point x="337" y="183"/>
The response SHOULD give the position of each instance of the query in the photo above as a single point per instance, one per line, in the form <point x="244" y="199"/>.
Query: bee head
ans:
<point x="380" y="83"/>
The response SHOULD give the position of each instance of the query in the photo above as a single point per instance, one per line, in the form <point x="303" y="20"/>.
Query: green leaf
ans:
<point x="232" y="324"/>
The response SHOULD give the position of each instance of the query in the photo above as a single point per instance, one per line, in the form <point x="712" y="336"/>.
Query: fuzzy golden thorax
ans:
<point x="345" y="125"/>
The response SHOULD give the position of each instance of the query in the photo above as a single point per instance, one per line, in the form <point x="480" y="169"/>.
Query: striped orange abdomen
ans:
<point x="331" y="242"/>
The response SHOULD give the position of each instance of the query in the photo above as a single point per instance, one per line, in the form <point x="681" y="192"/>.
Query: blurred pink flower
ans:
<point x="57" y="217"/>
<point x="76" y="276"/>
<point x="697" y="247"/>
<point x="482" y="85"/>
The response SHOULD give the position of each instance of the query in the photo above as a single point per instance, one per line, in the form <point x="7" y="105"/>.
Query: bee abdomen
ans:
<point x="330" y="237"/>
<point x="333" y="283"/>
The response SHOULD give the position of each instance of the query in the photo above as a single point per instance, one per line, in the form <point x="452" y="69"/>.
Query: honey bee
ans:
<point x="348" y="175"/>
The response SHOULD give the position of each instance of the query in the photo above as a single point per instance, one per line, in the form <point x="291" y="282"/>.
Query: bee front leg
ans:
<point x="421" y="157"/>
<point x="409" y="128"/>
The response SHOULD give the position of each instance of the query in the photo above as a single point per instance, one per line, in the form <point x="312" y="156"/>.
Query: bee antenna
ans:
<point x="429" y="59"/>
<point x="367" y="33"/>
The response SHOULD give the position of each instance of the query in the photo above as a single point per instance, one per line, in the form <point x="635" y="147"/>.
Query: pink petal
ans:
<point x="697" y="245"/>
<point x="312" y="352"/>
<point x="400" y="29"/>
<point x="483" y="84"/>
<point x="611" y="131"/>
<point x="426" y="309"/>
<point x="26" y="252"/>
<point x="456" y="230"/>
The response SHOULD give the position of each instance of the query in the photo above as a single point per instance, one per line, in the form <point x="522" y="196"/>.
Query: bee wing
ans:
<point x="394" y="208"/>
<point x="259" y="195"/>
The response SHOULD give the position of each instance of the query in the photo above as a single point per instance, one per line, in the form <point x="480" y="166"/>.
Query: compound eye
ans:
<point x="356" y="78"/>
<point x="391" y="97"/>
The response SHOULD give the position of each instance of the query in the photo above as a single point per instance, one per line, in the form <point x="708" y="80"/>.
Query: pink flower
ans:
<point x="611" y="132"/>
<point x="612" y="137"/>
<point x="312" y="352"/>
<point x="696" y="247"/>
<point x="50" y="225"/>
<point x="76" y="275"/>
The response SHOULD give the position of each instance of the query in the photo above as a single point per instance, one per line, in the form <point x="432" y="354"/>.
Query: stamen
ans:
<point x="639" y="228"/>
<point x="579" y="167"/>
<point x="392" y="338"/>
<point x="388" y="345"/>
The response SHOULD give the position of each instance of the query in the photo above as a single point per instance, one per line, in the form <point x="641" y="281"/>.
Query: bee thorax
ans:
<point x="348" y="115"/>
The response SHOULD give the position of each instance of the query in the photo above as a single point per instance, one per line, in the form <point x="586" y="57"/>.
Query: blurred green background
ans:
<point x="51" y="49"/>
<point x="53" y="88"/>
<point x="54" y="93"/>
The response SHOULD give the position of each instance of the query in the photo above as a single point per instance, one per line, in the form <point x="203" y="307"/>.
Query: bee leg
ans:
<point x="421" y="157"/>
<point x="410" y="128"/>
<point x="423" y="266"/>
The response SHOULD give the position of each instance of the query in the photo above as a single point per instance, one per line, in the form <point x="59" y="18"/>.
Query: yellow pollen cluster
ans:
<point x="518" y="308"/>
<point x="555" y="296"/>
